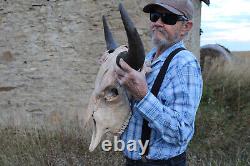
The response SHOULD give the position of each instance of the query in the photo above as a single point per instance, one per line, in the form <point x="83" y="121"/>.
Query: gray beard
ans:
<point x="160" y="43"/>
<point x="164" y="43"/>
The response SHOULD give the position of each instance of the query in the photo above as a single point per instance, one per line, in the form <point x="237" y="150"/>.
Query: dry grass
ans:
<point x="242" y="54"/>
<point x="65" y="146"/>
<point x="222" y="131"/>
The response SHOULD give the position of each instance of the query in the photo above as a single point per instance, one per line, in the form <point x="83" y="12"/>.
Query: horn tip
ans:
<point x="120" y="5"/>
<point x="103" y="18"/>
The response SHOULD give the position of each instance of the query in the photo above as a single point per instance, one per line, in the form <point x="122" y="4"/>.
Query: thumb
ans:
<point x="124" y="65"/>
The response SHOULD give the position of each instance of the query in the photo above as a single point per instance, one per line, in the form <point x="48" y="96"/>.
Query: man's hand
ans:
<point x="132" y="80"/>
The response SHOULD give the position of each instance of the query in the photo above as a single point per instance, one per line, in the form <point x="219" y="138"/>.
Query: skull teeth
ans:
<point x="125" y="124"/>
<point x="109" y="97"/>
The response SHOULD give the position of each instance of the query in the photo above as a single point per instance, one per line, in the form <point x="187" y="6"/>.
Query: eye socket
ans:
<point x="111" y="94"/>
<point x="114" y="91"/>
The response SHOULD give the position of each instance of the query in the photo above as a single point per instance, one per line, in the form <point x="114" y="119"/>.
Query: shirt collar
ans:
<point x="165" y="54"/>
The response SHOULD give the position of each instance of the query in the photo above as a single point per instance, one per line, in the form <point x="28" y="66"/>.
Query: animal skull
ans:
<point x="109" y="102"/>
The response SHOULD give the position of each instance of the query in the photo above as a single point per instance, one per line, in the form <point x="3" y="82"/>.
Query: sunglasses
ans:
<point x="167" y="18"/>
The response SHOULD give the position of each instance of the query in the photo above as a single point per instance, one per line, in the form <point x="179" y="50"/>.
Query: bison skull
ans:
<point x="109" y="103"/>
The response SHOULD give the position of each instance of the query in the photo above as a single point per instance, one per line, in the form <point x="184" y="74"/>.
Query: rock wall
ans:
<point x="48" y="55"/>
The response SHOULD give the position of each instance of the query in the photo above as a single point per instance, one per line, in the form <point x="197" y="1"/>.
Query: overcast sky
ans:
<point x="227" y="22"/>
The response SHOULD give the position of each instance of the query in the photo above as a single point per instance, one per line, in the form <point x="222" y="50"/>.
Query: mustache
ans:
<point x="160" y="29"/>
<point x="155" y="29"/>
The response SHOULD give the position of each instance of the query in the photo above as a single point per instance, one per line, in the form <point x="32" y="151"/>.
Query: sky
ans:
<point x="226" y="22"/>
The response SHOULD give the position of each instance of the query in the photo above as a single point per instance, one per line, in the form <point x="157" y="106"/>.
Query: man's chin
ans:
<point x="160" y="43"/>
<point x="157" y="33"/>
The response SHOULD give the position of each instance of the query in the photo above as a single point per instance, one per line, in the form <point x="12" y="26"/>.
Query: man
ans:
<point x="170" y="115"/>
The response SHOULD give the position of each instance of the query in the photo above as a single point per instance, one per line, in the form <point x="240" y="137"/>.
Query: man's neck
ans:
<point x="160" y="50"/>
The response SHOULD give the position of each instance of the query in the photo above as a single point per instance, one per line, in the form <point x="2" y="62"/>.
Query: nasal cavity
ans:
<point x="111" y="51"/>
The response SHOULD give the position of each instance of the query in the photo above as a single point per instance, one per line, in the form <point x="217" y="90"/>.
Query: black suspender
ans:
<point x="146" y="131"/>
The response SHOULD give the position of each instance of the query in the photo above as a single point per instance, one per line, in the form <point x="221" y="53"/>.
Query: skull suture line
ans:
<point x="109" y="102"/>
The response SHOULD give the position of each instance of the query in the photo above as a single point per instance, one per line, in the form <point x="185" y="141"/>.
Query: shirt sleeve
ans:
<point x="175" y="120"/>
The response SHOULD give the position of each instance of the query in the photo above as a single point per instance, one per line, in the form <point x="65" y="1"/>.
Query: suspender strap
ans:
<point x="158" y="81"/>
<point x="146" y="131"/>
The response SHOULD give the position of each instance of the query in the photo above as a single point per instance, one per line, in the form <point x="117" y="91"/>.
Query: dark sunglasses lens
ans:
<point x="154" y="17"/>
<point x="169" y="19"/>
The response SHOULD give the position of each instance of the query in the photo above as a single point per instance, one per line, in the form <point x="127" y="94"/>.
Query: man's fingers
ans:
<point x="123" y="74"/>
<point x="119" y="71"/>
<point x="120" y="75"/>
<point x="146" y="69"/>
<point x="120" y="79"/>
<point x="125" y="66"/>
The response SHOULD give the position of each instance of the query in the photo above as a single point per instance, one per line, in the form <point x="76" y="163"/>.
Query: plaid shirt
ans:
<point x="171" y="115"/>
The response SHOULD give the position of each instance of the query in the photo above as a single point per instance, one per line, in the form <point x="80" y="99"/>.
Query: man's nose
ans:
<point x="158" y="23"/>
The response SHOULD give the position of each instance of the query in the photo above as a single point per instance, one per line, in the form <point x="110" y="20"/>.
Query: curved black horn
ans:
<point x="110" y="42"/>
<point x="136" y="55"/>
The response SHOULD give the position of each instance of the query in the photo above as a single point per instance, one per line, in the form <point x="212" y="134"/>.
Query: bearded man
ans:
<point x="164" y="101"/>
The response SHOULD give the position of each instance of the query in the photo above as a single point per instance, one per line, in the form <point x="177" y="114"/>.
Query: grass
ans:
<point x="222" y="134"/>
<point x="65" y="146"/>
<point x="222" y="127"/>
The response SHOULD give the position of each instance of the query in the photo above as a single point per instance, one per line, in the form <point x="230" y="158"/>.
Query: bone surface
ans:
<point x="109" y="108"/>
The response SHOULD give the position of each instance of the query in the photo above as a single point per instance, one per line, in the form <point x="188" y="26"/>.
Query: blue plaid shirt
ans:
<point x="171" y="115"/>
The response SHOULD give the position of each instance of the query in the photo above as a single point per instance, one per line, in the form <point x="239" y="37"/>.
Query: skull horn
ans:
<point x="135" y="56"/>
<point x="110" y="42"/>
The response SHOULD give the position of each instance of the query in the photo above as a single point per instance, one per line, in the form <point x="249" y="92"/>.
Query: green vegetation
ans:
<point x="222" y="134"/>
<point x="222" y="128"/>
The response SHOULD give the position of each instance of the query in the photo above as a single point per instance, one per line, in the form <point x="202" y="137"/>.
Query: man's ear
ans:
<point x="187" y="27"/>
